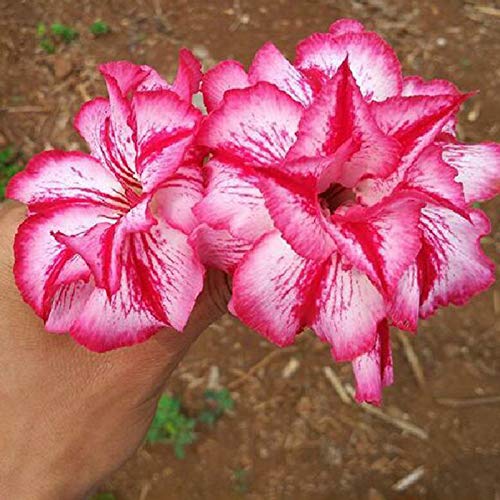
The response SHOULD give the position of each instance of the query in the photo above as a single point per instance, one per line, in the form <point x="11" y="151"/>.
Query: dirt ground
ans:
<point x="292" y="437"/>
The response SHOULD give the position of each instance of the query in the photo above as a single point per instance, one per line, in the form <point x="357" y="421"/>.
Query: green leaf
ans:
<point x="103" y="496"/>
<point x="41" y="29"/>
<point x="9" y="166"/>
<point x="99" y="27"/>
<point x="47" y="46"/>
<point x="171" y="425"/>
<point x="66" y="33"/>
<point x="5" y="155"/>
<point x="221" y="398"/>
<point x="207" y="417"/>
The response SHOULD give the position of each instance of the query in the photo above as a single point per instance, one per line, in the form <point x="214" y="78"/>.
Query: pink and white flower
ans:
<point x="104" y="252"/>
<point x="339" y="198"/>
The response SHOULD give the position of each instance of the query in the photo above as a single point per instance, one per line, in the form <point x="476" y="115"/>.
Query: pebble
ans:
<point x="62" y="67"/>
<point x="290" y="368"/>
<point x="374" y="494"/>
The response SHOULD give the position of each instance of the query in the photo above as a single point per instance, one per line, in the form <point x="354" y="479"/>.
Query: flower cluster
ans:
<point x="336" y="195"/>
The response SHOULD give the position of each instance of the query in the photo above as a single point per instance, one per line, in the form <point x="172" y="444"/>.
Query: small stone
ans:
<point x="374" y="494"/>
<point x="201" y="52"/>
<point x="441" y="42"/>
<point x="290" y="368"/>
<point x="62" y="67"/>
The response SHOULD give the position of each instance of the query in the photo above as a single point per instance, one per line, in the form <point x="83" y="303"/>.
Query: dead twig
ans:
<point x="401" y="424"/>
<point x="24" y="109"/>
<point x="490" y="11"/>
<point x="263" y="362"/>
<point x="146" y="488"/>
<point x="412" y="359"/>
<point x="465" y="402"/>
<point x="333" y="378"/>
<point x="411" y="478"/>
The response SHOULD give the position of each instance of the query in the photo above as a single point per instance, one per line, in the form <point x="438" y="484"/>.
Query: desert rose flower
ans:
<point x="339" y="198"/>
<point x="104" y="251"/>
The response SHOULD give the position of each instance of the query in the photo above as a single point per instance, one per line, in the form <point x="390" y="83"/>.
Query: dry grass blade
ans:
<point x="412" y="358"/>
<point x="263" y="362"/>
<point x="337" y="384"/>
<point x="465" y="402"/>
<point x="401" y="424"/>
<point x="411" y="478"/>
<point x="24" y="109"/>
<point x="490" y="11"/>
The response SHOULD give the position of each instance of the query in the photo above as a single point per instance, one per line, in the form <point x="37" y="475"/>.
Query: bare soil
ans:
<point x="291" y="437"/>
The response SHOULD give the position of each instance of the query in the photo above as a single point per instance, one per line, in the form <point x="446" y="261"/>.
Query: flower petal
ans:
<point x="90" y="123"/>
<point x="348" y="308"/>
<point x="382" y="240"/>
<point x="415" y="121"/>
<point x="55" y="178"/>
<point x="269" y="65"/>
<point x="272" y="289"/>
<point x="374" y="64"/>
<point x="175" y="200"/>
<point x="187" y="81"/>
<point x="343" y="26"/>
<point x="67" y="304"/>
<point x="171" y="275"/>
<point x="218" y="247"/>
<point x="405" y="301"/>
<point x="415" y="85"/>
<point x="101" y="246"/>
<point x="452" y="265"/>
<point x="125" y="74"/>
<point x="153" y="81"/>
<point x="294" y="208"/>
<point x="478" y="167"/>
<point x="431" y="176"/>
<point x="227" y="75"/>
<point x="233" y="201"/>
<point x="40" y="257"/>
<point x="118" y="137"/>
<point x="339" y="122"/>
<point x="256" y="126"/>
<point x="159" y="284"/>
<point x="373" y="370"/>
<point x="106" y="323"/>
<point x="165" y="129"/>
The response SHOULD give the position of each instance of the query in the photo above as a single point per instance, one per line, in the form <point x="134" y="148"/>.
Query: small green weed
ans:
<point x="240" y="480"/>
<point x="65" y="33"/>
<point x="171" y="425"/>
<point x="103" y="496"/>
<point x="218" y="403"/>
<point x="99" y="28"/>
<point x="10" y="164"/>
<point x="48" y="38"/>
<point x="47" y="46"/>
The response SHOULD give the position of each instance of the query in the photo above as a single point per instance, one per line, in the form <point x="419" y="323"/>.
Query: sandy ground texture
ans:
<point x="290" y="435"/>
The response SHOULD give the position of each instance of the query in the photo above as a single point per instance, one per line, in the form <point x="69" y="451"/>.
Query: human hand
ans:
<point x="69" y="417"/>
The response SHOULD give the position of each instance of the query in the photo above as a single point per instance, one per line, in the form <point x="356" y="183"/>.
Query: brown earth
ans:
<point x="293" y="437"/>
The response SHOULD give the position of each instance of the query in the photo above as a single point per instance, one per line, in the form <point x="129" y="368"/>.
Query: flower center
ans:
<point x="134" y="195"/>
<point x="335" y="196"/>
